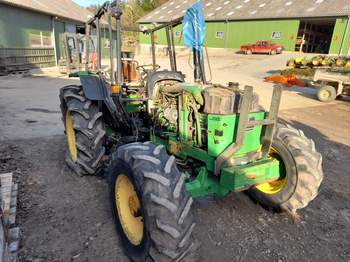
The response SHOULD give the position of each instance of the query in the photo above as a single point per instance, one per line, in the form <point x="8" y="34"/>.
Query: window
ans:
<point x="219" y="34"/>
<point x="40" y="39"/>
<point x="143" y="27"/>
<point x="107" y="43"/>
<point x="46" y="40"/>
<point x="70" y="28"/>
<point x="276" y="35"/>
<point x="35" y="40"/>
<point x="71" y="42"/>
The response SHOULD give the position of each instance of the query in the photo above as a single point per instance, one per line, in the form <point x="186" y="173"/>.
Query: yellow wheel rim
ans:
<point x="129" y="209"/>
<point x="72" y="147"/>
<point x="276" y="186"/>
<point x="324" y="94"/>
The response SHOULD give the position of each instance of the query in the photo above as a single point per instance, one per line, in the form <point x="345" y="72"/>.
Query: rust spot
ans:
<point x="250" y="176"/>
<point x="174" y="148"/>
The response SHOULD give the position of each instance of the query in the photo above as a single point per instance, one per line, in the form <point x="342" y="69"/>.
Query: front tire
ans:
<point x="84" y="129"/>
<point x="302" y="171"/>
<point x="164" y="204"/>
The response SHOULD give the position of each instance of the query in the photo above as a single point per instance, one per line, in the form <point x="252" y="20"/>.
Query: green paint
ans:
<point x="160" y="36"/>
<point x="237" y="33"/>
<point x="248" y="32"/>
<point x="238" y="178"/>
<point x="338" y="36"/>
<point x="211" y="39"/>
<point x="206" y="184"/>
<point x="104" y="43"/>
<point x="222" y="132"/>
<point x="185" y="150"/>
<point x="235" y="179"/>
<point x="17" y="24"/>
<point x="84" y="74"/>
<point x="251" y="141"/>
<point x="136" y="106"/>
<point x="59" y="30"/>
<point x="196" y="92"/>
<point x="183" y="124"/>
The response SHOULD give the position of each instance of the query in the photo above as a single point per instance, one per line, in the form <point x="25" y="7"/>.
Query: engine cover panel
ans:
<point x="220" y="101"/>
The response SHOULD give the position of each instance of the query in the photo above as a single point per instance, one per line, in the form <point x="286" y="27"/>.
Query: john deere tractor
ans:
<point x="163" y="142"/>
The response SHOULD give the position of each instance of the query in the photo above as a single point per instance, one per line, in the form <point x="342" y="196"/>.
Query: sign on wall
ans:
<point x="219" y="34"/>
<point x="276" y="35"/>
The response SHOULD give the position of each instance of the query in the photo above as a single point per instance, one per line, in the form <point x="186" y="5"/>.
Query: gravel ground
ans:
<point x="67" y="218"/>
<point x="64" y="217"/>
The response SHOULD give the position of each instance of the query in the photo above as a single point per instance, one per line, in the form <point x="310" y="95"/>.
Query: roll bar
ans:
<point x="114" y="10"/>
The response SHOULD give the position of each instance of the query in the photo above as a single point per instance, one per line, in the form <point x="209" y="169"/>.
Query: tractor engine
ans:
<point x="181" y="110"/>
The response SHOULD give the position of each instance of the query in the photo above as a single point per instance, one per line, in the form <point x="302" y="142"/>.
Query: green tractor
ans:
<point x="163" y="142"/>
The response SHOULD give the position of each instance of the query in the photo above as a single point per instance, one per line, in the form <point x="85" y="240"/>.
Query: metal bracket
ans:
<point x="270" y="123"/>
<point x="242" y="124"/>
<point x="272" y="119"/>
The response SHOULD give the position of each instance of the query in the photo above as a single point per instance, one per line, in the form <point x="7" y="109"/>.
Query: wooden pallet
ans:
<point x="9" y="232"/>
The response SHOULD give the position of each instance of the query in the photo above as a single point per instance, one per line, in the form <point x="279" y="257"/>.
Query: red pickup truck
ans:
<point x="262" y="47"/>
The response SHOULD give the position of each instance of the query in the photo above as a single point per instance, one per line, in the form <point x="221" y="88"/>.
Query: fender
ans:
<point x="158" y="76"/>
<point x="94" y="87"/>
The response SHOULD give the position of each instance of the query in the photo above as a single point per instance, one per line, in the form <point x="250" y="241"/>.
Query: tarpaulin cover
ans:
<point x="193" y="25"/>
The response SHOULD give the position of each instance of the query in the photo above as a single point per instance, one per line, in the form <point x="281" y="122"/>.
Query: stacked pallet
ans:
<point x="19" y="60"/>
<point x="9" y="232"/>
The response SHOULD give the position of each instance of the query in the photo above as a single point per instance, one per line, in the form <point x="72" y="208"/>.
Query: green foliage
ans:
<point x="149" y="5"/>
<point x="133" y="10"/>
<point x="93" y="8"/>
<point x="146" y="5"/>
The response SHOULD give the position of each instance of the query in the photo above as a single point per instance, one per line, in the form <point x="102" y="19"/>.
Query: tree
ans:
<point x="149" y="5"/>
<point x="133" y="10"/>
<point x="93" y="8"/>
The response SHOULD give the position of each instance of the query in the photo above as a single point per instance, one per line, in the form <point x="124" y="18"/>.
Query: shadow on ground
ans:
<point x="64" y="217"/>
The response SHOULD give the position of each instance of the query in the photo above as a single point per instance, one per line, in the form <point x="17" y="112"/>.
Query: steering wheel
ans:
<point x="147" y="68"/>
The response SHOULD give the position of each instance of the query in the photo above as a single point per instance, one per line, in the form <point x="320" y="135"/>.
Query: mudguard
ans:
<point x="157" y="76"/>
<point x="94" y="87"/>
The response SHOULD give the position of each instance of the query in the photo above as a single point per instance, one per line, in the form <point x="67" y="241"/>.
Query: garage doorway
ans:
<point x="316" y="35"/>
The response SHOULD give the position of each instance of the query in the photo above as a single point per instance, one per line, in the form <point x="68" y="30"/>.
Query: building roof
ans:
<point x="61" y="8"/>
<point x="221" y="10"/>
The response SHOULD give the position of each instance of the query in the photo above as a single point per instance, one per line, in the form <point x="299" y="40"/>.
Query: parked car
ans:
<point x="262" y="47"/>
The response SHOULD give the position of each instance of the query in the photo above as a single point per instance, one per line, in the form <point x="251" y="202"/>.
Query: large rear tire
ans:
<point x="301" y="166"/>
<point x="85" y="131"/>
<point x="163" y="204"/>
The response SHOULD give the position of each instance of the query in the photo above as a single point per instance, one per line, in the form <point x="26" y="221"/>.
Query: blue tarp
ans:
<point x="193" y="25"/>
